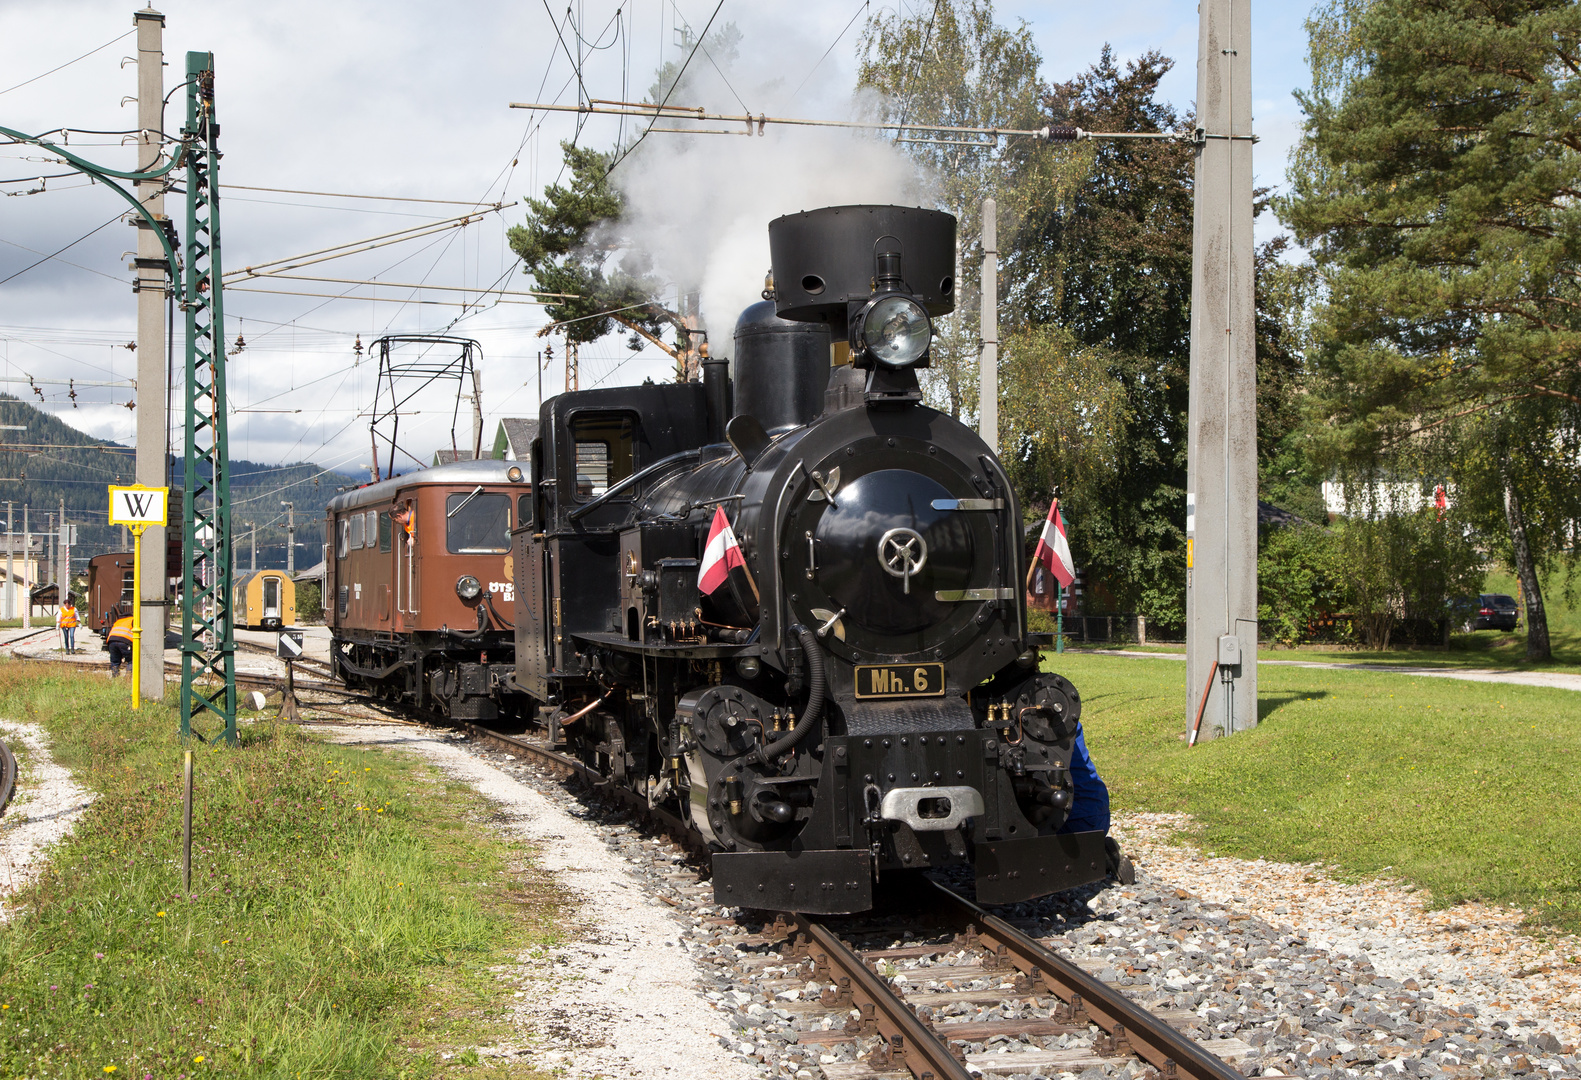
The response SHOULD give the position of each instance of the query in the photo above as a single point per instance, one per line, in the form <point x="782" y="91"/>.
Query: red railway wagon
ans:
<point x="418" y="589"/>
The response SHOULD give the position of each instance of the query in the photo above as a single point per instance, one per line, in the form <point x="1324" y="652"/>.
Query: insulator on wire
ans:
<point x="1063" y="133"/>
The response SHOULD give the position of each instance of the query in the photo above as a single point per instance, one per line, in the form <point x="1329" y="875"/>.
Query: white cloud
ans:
<point x="398" y="98"/>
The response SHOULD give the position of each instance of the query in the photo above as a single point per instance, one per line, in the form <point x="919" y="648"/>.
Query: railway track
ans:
<point x="902" y="1022"/>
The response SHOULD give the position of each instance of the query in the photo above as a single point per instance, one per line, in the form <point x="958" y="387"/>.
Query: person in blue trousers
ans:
<point x="1089" y="811"/>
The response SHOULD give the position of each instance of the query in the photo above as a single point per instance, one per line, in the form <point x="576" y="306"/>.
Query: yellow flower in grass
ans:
<point x="159" y="914"/>
<point x="109" y="1068"/>
<point x="198" y="1060"/>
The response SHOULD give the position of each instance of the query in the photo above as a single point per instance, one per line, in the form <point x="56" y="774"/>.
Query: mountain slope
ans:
<point x="48" y="461"/>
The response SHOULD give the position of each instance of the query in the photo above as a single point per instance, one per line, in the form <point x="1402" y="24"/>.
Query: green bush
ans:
<point x="1405" y="565"/>
<point x="1374" y="572"/>
<point x="1300" y="578"/>
<point x="309" y="601"/>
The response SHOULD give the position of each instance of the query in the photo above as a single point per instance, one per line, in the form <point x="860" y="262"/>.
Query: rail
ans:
<point x="1127" y="1024"/>
<point x="925" y="1049"/>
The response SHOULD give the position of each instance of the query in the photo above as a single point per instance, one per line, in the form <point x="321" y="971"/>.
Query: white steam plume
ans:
<point x="701" y="204"/>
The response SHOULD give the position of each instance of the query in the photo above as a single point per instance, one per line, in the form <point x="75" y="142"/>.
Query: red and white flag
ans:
<point x="1053" y="550"/>
<point x="720" y="556"/>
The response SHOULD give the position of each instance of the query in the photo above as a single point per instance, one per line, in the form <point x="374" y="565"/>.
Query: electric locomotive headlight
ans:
<point x="896" y="330"/>
<point x="468" y="588"/>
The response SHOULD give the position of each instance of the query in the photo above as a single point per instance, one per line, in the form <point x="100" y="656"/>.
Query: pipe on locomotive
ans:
<point x="815" y="697"/>
<point x="583" y="711"/>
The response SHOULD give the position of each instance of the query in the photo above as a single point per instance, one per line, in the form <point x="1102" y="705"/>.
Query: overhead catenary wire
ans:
<point x="673" y="87"/>
<point x="68" y="63"/>
<point x="382" y="299"/>
<point x="347" y="195"/>
<point x="1052" y="133"/>
<point x="354" y="247"/>
<point x="408" y="285"/>
<point x="864" y="6"/>
<point x="60" y="251"/>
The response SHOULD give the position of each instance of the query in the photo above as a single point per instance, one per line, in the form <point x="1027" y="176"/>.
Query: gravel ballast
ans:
<point x="1285" y="970"/>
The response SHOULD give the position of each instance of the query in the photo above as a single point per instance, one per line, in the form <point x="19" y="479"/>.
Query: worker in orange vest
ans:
<point x="119" y="640"/>
<point x="66" y="620"/>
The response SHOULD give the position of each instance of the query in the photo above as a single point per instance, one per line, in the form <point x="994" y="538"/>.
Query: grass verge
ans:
<point x="346" y="918"/>
<point x="1465" y="789"/>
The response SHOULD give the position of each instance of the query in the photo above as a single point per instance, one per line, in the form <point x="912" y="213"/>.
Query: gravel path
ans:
<point x="1559" y="680"/>
<point x="620" y="1000"/>
<point x="47" y="804"/>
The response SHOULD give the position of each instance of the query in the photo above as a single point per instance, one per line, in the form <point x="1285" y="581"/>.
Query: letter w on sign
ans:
<point x="138" y="505"/>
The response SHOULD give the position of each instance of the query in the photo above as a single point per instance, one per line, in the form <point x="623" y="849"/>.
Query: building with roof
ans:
<point x="513" y="440"/>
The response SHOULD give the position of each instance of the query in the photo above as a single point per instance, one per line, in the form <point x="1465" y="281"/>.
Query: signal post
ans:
<point x="139" y="508"/>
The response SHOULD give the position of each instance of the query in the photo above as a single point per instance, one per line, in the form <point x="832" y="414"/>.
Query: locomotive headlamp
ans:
<point x="468" y="588"/>
<point x="514" y="474"/>
<point x="895" y="330"/>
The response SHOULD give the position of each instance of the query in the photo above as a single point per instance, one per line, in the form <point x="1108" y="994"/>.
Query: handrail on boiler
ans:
<point x="631" y="481"/>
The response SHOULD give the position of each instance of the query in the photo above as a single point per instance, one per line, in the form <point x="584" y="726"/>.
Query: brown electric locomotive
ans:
<point x="418" y="589"/>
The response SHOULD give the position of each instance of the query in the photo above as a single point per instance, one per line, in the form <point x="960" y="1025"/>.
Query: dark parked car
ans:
<point x="1489" y="611"/>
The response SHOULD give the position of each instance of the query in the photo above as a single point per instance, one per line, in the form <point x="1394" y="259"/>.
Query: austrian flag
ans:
<point x="1053" y="550"/>
<point x="720" y="556"/>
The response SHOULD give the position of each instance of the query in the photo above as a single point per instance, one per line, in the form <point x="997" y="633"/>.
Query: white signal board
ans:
<point x="139" y="505"/>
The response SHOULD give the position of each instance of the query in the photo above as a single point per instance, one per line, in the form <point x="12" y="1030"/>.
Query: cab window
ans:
<point x="604" y="444"/>
<point x="345" y="538"/>
<point x="477" y="524"/>
<point x="384" y="532"/>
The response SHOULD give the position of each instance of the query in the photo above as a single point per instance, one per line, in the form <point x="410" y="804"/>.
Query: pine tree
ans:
<point x="568" y="243"/>
<point x="1436" y="188"/>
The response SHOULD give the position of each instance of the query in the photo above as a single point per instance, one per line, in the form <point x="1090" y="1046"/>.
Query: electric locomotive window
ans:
<point x="477" y="524"/>
<point x="384" y="532"/>
<point x="604" y="445"/>
<point x="356" y="532"/>
<point x="345" y="538"/>
<point x="373" y="527"/>
<point x="523" y="510"/>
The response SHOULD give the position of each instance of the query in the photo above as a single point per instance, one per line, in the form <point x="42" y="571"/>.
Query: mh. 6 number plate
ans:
<point x="899" y="680"/>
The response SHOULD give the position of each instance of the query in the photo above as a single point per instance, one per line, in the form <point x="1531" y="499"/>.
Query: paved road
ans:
<point x="1557" y="679"/>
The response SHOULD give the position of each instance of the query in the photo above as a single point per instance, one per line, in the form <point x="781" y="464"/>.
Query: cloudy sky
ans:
<point x="409" y="102"/>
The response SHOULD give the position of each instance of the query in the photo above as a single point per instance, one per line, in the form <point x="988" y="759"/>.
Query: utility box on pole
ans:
<point x="1221" y="484"/>
<point x="152" y="270"/>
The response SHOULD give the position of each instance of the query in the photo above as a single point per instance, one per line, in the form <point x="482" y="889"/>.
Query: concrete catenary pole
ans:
<point x="152" y="419"/>
<point x="1221" y="481"/>
<point x="29" y="577"/>
<point x="290" y="537"/>
<point x="988" y="331"/>
<point x="252" y="532"/>
<point x="10" y="566"/>
<point x="63" y="551"/>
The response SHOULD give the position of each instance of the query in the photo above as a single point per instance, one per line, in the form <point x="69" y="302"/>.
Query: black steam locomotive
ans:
<point x="855" y="691"/>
